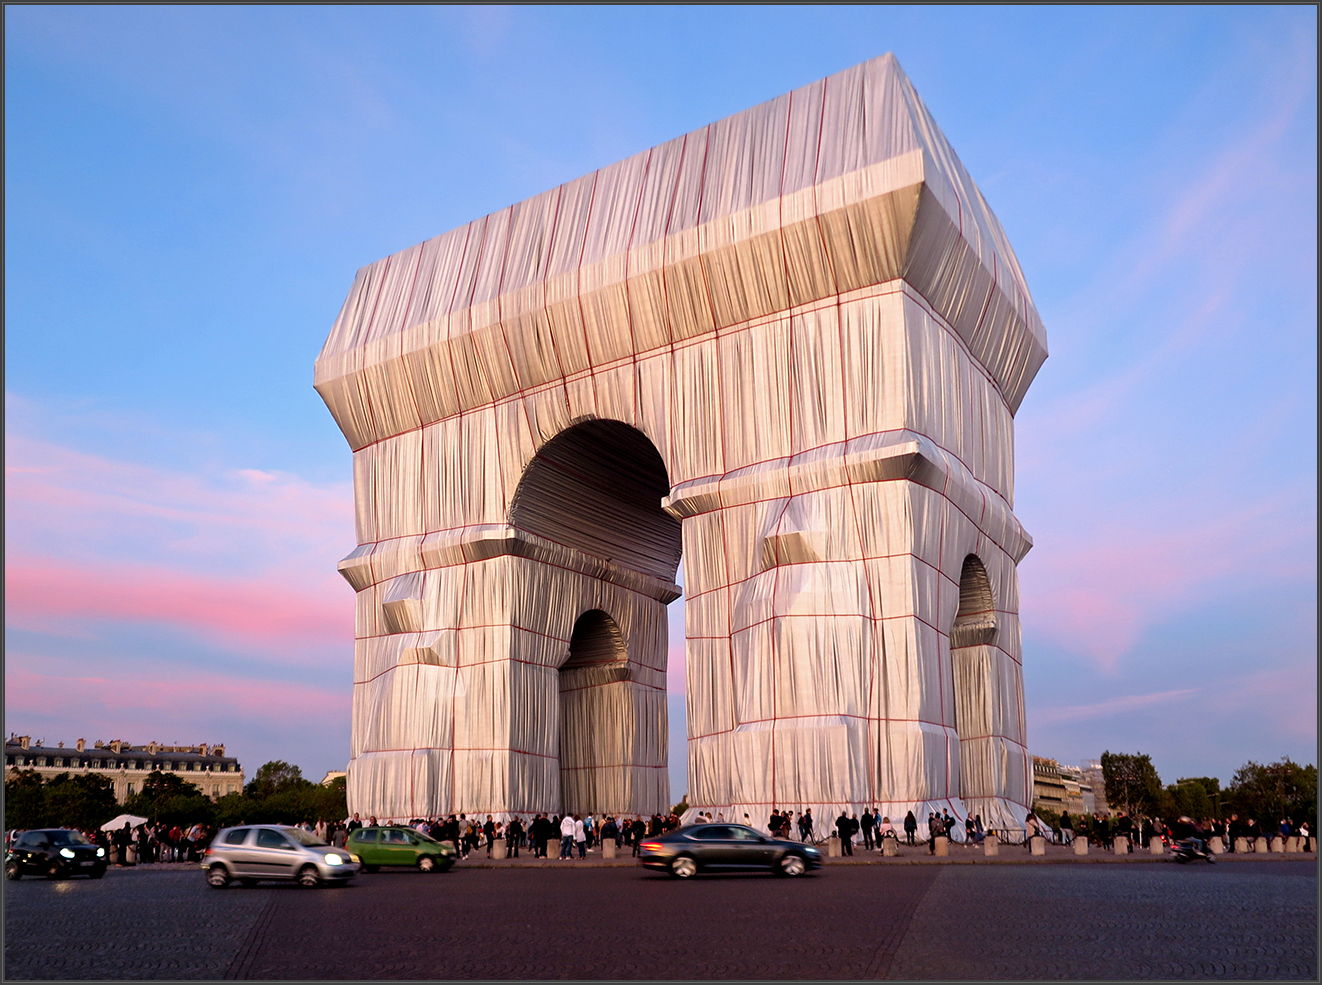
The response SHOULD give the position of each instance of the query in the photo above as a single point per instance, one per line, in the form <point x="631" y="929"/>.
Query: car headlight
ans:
<point x="100" y="853"/>
<point x="333" y="859"/>
<point x="354" y="858"/>
<point x="67" y="852"/>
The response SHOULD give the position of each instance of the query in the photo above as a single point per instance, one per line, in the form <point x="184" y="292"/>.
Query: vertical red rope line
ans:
<point x="628" y="295"/>
<point x="671" y="401"/>
<point x="546" y="302"/>
<point x="463" y="583"/>
<point x="578" y="293"/>
<point x="790" y="400"/>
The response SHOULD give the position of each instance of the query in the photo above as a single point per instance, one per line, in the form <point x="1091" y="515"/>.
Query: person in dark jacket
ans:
<point x="845" y="830"/>
<point x="910" y="827"/>
<point x="865" y="822"/>
<point x="639" y="831"/>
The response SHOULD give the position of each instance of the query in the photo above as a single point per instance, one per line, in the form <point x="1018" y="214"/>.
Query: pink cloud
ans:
<point x="1095" y="591"/>
<point x="39" y="590"/>
<point x="129" y="698"/>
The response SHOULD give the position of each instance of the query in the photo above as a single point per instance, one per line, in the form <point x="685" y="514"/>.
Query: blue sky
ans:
<point x="189" y="191"/>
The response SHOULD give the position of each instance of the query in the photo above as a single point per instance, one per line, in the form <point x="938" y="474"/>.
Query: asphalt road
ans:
<point x="1254" y="919"/>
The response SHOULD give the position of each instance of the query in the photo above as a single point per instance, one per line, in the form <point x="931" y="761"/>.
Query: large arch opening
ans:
<point x="972" y="662"/>
<point x="597" y="487"/>
<point x="595" y="491"/>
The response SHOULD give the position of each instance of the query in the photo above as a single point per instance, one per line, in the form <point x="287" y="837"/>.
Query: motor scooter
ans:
<point x="1190" y="850"/>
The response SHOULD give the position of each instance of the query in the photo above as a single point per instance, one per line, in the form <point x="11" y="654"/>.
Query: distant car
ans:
<point x="54" y="853"/>
<point x="726" y="848"/>
<point x="398" y="845"/>
<point x="274" y="851"/>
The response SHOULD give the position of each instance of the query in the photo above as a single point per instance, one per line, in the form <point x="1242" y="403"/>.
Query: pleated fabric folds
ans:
<point x="786" y="347"/>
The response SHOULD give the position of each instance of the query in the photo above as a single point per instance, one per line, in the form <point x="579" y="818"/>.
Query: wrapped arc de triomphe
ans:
<point x="785" y="349"/>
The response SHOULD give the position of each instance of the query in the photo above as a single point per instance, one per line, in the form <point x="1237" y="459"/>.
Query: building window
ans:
<point x="130" y="790"/>
<point x="215" y="791"/>
<point x="41" y="760"/>
<point x="9" y="760"/>
<point x="96" y="764"/>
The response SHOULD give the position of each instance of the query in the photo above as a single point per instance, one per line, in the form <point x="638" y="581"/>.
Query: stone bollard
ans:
<point x="833" y="847"/>
<point x="1216" y="846"/>
<point x="1277" y="845"/>
<point x="942" y="846"/>
<point x="1241" y="846"/>
<point x="1120" y="845"/>
<point x="890" y="847"/>
<point x="1155" y="847"/>
<point x="1261" y="846"/>
<point x="1037" y="845"/>
<point x="499" y="849"/>
<point x="1292" y="844"/>
<point x="991" y="845"/>
<point x="608" y="848"/>
<point x="1080" y="845"/>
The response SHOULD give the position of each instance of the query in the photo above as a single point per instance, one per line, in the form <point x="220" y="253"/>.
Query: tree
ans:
<point x="25" y="801"/>
<point x="85" y="801"/>
<point x="1132" y="784"/>
<point x="1277" y="790"/>
<point x="683" y="805"/>
<point x="168" y="797"/>
<point x="276" y="777"/>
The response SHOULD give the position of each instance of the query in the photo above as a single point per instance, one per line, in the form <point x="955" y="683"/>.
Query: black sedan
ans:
<point x="726" y="848"/>
<point x="54" y="853"/>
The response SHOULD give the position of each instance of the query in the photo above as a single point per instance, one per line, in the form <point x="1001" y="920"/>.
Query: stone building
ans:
<point x="127" y="766"/>
<point x="1049" y="792"/>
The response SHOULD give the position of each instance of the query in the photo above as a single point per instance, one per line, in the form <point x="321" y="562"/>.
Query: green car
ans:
<point x="399" y="846"/>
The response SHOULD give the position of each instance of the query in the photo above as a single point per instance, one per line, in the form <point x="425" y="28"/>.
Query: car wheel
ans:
<point x="426" y="864"/>
<point x="684" y="867"/>
<point x="308" y="878"/>
<point x="792" y="865"/>
<point x="97" y="873"/>
<point x="218" y="877"/>
<point x="55" y="871"/>
<point x="12" y="871"/>
<point x="371" y="868"/>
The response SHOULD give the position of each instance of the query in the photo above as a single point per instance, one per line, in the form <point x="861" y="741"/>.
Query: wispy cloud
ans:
<point x="1106" y="709"/>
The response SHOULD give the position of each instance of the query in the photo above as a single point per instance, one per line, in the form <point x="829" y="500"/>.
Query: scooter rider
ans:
<point x="1187" y="829"/>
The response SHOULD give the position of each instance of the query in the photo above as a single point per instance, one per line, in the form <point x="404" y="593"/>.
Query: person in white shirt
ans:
<point x="567" y="837"/>
<point x="580" y="837"/>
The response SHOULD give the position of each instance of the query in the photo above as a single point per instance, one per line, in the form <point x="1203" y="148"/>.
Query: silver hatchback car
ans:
<point x="275" y="851"/>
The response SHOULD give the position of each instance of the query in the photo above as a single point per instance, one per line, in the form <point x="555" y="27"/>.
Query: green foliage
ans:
<point x="1132" y="784"/>
<point x="65" y="801"/>
<point x="681" y="807"/>
<point x="1048" y="817"/>
<point x="275" y="777"/>
<point x="1198" y="797"/>
<point x="168" y="797"/>
<point x="1273" y="791"/>
<point x="278" y="794"/>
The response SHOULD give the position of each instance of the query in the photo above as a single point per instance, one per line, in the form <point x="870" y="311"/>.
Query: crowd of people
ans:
<point x="145" y="844"/>
<point x="575" y="834"/>
<point x="1103" y="829"/>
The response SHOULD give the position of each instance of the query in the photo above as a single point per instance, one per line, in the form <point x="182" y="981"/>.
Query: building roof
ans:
<point x="105" y="753"/>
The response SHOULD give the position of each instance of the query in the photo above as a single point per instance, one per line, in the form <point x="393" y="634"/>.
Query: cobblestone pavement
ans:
<point x="137" y="924"/>
<point x="1252" y="919"/>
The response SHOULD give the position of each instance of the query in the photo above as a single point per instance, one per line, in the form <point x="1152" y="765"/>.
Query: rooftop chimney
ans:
<point x="99" y="744"/>
<point x="82" y="744"/>
<point x="218" y="751"/>
<point x="116" y="745"/>
<point x="202" y="748"/>
<point x="61" y="745"/>
<point x="25" y="741"/>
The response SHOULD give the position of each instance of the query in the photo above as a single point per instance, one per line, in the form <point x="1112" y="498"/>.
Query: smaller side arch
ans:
<point x="975" y="622"/>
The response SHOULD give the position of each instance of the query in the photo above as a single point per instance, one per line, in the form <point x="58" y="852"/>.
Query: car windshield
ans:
<point x="304" y="837"/>
<point x="68" y="838"/>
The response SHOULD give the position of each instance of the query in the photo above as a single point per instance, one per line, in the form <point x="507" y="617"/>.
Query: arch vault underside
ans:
<point x="790" y="344"/>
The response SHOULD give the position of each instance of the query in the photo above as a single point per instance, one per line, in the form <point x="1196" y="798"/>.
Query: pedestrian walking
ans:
<point x="910" y="827"/>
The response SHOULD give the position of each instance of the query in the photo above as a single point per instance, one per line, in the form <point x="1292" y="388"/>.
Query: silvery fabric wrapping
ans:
<point x="789" y="345"/>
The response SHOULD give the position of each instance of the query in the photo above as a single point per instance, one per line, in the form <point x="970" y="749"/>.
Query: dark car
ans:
<point x="54" y="853"/>
<point x="726" y="848"/>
